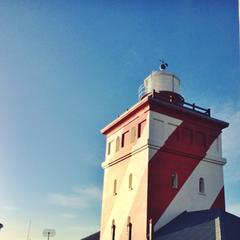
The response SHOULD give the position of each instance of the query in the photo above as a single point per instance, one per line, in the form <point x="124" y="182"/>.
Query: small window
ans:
<point x="187" y="135"/>
<point x="125" y="138"/>
<point x="113" y="229"/>
<point x="200" y="139"/>
<point x="140" y="128"/>
<point x="109" y="147"/>
<point x="201" y="185"/>
<point x="117" y="144"/>
<point x="133" y="135"/>
<point x="129" y="228"/>
<point x="174" y="180"/>
<point x="115" y="187"/>
<point x="130" y="183"/>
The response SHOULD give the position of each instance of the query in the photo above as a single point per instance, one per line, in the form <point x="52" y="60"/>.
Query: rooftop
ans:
<point x="198" y="225"/>
<point x="204" y="225"/>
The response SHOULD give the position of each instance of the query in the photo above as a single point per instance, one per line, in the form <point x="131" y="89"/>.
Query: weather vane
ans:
<point x="163" y="65"/>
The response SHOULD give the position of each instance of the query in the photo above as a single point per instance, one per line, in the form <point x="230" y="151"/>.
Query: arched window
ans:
<point x="109" y="147"/>
<point x="117" y="144"/>
<point x="129" y="228"/>
<point x="115" y="187"/>
<point x="201" y="185"/>
<point x="174" y="180"/>
<point x="113" y="229"/>
<point x="133" y="135"/>
<point x="130" y="182"/>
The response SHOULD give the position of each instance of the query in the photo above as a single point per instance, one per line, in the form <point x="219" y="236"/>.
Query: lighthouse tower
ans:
<point x="163" y="157"/>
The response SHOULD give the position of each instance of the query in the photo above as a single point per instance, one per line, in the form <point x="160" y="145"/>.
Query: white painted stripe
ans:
<point x="123" y="203"/>
<point x="161" y="127"/>
<point x="137" y="164"/>
<point x="188" y="198"/>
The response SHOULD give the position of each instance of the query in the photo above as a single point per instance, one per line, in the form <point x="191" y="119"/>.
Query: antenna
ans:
<point x="49" y="233"/>
<point x="29" y="229"/>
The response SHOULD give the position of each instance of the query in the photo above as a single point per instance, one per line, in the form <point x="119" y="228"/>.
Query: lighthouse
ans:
<point x="163" y="157"/>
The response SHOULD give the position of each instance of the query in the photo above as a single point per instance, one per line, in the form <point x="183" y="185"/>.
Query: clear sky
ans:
<point x="67" y="68"/>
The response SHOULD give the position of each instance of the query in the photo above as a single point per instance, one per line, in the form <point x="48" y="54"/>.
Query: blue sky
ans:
<point x="67" y="68"/>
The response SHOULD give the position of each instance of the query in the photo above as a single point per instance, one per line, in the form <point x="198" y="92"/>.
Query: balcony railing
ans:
<point x="142" y="91"/>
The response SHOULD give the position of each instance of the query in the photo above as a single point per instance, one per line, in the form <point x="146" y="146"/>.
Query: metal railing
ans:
<point x="194" y="107"/>
<point x="142" y="91"/>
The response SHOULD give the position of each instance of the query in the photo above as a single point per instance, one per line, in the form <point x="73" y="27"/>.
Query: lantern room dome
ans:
<point x="159" y="81"/>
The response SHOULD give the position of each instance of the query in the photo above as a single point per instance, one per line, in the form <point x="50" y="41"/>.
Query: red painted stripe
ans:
<point x="181" y="153"/>
<point x="220" y="200"/>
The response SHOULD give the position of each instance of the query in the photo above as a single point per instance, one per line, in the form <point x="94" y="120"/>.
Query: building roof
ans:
<point x="197" y="225"/>
<point x="95" y="236"/>
<point x="204" y="225"/>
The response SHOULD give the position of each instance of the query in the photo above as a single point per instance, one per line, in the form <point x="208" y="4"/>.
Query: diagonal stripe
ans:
<point x="176" y="155"/>
<point x="188" y="198"/>
<point x="220" y="200"/>
<point x="119" y="207"/>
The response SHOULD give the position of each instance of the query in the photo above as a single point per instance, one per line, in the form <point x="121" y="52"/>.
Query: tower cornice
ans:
<point x="154" y="101"/>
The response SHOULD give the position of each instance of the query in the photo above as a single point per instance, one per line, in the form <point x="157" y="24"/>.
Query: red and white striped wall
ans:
<point x="119" y="164"/>
<point x="190" y="149"/>
<point x="156" y="141"/>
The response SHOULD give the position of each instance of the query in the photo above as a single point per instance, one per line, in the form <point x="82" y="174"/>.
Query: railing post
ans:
<point x="194" y="106"/>
<point x="153" y="92"/>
